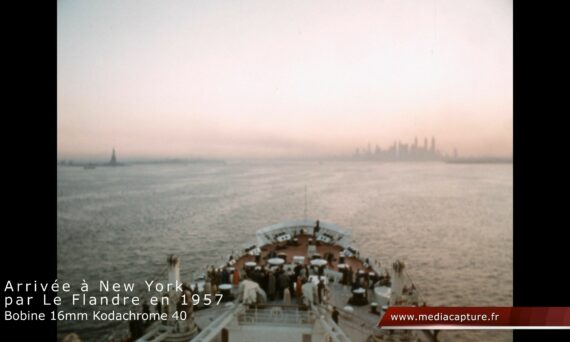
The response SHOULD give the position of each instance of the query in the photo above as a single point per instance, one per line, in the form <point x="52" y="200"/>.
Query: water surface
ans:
<point x="451" y="224"/>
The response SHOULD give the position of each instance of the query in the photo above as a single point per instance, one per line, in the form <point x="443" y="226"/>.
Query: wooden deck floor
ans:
<point x="302" y="250"/>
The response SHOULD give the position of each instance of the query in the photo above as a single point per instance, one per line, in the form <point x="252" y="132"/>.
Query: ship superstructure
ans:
<point x="301" y="281"/>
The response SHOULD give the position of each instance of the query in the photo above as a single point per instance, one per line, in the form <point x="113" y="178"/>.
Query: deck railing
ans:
<point x="275" y="314"/>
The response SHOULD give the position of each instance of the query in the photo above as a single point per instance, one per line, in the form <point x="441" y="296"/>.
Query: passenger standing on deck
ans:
<point x="320" y="289"/>
<point x="159" y="307"/>
<point x="335" y="315"/>
<point x="283" y="283"/>
<point x="225" y="275"/>
<point x="292" y="279"/>
<point x="236" y="277"/>
<point x="298" y="289"/>
<point x="287" y="296"/>
<point x="366" y="284"/>
<point x="297" y="270"/>
<point x="271" y="286"/>
<point x="263" y="279"/>
<point x="215" y="282"/>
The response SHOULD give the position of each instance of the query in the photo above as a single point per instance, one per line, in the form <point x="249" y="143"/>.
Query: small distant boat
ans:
<point x="89" y="166"/>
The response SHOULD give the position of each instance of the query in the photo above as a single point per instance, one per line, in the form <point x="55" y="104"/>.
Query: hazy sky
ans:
<point x="282" y="78"/>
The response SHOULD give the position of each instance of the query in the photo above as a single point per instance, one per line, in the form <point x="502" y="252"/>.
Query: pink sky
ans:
<point x="282" y="78"/>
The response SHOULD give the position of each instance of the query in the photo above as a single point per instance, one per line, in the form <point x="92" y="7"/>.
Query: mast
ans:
<point x="305" y="214"/>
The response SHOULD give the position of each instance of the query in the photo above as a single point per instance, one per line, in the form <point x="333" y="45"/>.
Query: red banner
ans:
<point x="408" y="317"/>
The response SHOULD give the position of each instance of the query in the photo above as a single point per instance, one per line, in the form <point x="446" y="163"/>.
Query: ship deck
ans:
<point x="302" y="249"/>
<point x="360" y="323"/>
<point x="357" y="321"/>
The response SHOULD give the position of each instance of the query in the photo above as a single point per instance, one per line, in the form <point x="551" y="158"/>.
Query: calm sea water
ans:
<point x="450" y="224"/>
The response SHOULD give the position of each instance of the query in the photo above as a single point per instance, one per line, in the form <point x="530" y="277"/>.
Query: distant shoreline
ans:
<point x="480" y="160"/>
<point x="91" y="165"/>
<point x="458" y="160"/>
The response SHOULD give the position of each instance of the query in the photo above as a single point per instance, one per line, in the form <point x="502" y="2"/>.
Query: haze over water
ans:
<point x="257" y="79"/>
<point x="450" y="224"/>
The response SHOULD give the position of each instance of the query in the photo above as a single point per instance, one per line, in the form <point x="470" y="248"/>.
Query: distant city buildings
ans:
<point x="399" y="151"/>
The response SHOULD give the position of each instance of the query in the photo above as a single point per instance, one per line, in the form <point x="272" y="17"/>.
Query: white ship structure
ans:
<point x="300" y="281"/>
